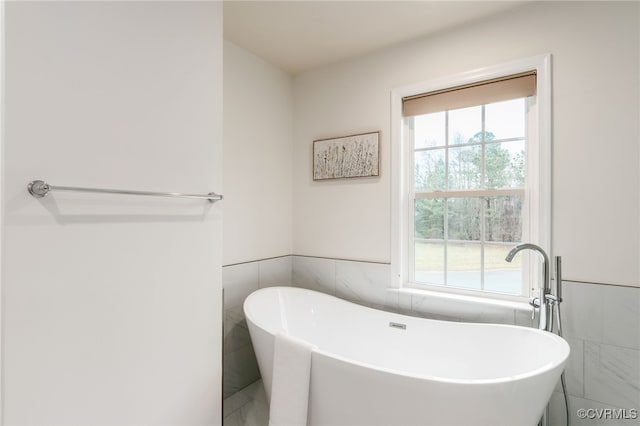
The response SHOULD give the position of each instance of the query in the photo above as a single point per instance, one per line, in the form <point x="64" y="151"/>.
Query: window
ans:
<point x="471" y="171"/>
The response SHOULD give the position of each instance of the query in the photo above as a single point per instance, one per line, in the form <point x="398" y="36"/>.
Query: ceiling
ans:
<point x="300" y="35"/>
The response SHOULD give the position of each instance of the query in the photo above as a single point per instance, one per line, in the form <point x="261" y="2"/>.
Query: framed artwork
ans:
<point x="347" y="157"/>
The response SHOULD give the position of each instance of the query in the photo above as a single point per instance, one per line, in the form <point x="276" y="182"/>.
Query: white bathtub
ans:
<point x="366" y="372"/>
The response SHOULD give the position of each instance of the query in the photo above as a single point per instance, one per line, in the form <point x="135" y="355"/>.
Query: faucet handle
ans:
<point x="535" y="303"/>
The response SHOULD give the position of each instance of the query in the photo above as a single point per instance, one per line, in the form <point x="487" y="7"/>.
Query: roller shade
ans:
<point x="483" y="92"/>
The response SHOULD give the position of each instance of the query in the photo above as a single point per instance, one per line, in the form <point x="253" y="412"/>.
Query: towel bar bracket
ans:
<point x="38" y="188"/>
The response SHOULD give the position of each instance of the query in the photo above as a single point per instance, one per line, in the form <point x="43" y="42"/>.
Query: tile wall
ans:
<point x="602" y="325"/>
<point x="240" y="367"/>
<point x="600" y="322"/>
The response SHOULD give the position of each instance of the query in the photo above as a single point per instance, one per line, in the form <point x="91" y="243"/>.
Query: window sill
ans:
<point x="464" y="307"/>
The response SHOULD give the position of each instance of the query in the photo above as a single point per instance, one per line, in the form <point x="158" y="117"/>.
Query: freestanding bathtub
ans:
<point x="377" y="368"/>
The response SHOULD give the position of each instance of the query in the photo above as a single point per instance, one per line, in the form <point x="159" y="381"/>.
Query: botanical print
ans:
<point x="346" y="157"/>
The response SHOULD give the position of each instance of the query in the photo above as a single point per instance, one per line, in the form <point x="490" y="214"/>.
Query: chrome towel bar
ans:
<point x="39" y="189"/>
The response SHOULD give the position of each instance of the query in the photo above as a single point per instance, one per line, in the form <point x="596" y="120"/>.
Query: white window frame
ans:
<point x="538" y="190"/>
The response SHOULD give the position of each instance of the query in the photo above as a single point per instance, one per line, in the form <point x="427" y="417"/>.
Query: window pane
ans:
<point x="463" y="244"/>
<point x="503" y="230"/>
<point x="503" y="219"/>
<point x="463" y="216"/>
<point x="501" y="276"/>
<point x="429" y="130"/>
<point x="505" y="119"/>
<point x="429" y="218"/>
<point x="429" y="170"/>
<point x="505" y="164"/>
<point x="464" y="124"/>
<point x="429" y="262"/>
<point x="463" y="264"/>
<point x="465" y="167"/>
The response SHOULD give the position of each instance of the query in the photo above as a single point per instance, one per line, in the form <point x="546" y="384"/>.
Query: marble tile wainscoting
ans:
<point x="602" y="325"/>
<point x="240" y="367"/>
<point x="600" y="322"/>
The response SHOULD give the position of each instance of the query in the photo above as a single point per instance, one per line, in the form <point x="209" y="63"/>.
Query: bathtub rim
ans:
<point x="504" y="379"/>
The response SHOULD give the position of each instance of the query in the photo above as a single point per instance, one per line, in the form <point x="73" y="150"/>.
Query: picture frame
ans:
<point x="347" y="157"/>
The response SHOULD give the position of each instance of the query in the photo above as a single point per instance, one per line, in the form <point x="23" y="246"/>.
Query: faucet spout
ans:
<point x="539" y="250"/>
<point x="545" y="289"/>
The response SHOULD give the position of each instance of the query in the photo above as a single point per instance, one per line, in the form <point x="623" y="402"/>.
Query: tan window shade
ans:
<point x="483" y="92"/>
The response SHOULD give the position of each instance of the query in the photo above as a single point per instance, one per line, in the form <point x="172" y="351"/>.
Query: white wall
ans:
<point x="258" y="151"/>
<point x="112" y="304"/>
<point x="596" y="184"/>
